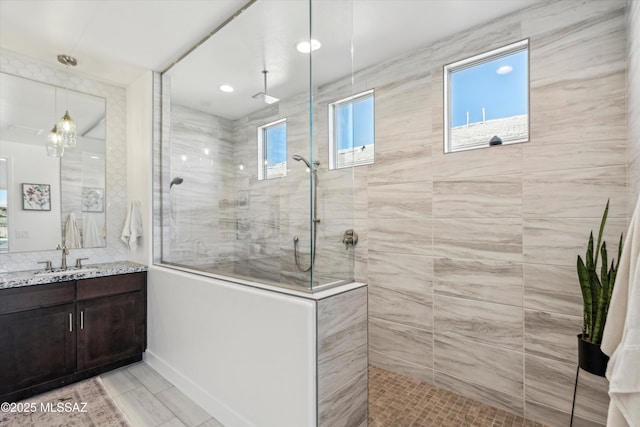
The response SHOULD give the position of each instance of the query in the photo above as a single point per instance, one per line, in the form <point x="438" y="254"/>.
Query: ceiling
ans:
<point x="117" y="40"/>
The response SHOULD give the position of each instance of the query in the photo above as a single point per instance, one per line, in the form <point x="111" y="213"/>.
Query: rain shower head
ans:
<point x="298" y="158"/>
<point x="177" y="181"/>
<point x="264" y="96"/>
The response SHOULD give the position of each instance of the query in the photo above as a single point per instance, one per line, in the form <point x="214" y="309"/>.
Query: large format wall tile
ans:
<point x="402" y="236"/>
<point x="402" y="118"/>
<point x="403" y="306"/>
<point x="558" y="241"/>
<point x="484" y="280"/>
<point x="552" y="288"/>
<point x="342" y="340"/>
<point x="492" y="367"/>
<point x="499" y="160"/>
<point x="401" y="342"/>
<point x="575" y="193"/>
<point x="551" y="335"/>
<point x="400" y="201"/>
<point x="498" y="239"/>
<point x="553" y="417"/>
<point x="491" y="196"/>
<point x="412" y="272"/>
<point x="483" y="322"/>
<point x="551" y="382"/>
<point x="505" y="401"/>
<point x="406" y="164"/>
<point x="556" y="16"/>
<point x="402" y="367"/>
<point x="347" y="406"/>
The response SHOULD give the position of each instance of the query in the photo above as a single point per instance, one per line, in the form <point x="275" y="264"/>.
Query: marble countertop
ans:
<point x="40" y="277"/>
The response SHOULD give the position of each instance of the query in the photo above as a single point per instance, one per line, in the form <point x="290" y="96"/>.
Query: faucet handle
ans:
<point x="47" y="266"/>
<point x="79" y="262"/>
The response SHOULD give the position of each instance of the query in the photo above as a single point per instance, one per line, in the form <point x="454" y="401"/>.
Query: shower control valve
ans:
<point x="350" y="237"/>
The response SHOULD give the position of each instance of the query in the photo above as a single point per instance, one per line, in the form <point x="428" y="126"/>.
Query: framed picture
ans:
<point x="92" y="199"/>
<point x="36" y="197"/>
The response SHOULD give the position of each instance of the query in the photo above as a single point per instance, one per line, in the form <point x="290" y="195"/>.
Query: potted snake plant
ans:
<point x="596" y="295"/>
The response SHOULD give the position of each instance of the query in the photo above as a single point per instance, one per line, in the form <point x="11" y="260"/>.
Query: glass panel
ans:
<point x="218" y="215"/>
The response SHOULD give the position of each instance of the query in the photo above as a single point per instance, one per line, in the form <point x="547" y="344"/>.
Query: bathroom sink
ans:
<point x="66" y="272"/>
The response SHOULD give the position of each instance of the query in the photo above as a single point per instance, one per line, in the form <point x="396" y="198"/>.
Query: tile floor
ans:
<point x="398" y="401"/>
<point x="148" y="400"/>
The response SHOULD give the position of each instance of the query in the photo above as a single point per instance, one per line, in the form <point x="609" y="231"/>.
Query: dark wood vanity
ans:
<point x="58" y="333"/>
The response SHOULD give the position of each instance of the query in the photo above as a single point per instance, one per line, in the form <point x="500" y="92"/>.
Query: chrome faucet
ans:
<point x="65" y="252"/>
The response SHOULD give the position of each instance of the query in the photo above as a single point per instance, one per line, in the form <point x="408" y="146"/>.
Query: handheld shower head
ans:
<point x="298" y="158"/>
<point x="176" y="181"/>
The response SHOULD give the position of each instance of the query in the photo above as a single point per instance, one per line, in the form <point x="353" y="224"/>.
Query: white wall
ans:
<point x="139" y="164"/>
<point x="31" y="230"/>
<point x="245" y="355"/>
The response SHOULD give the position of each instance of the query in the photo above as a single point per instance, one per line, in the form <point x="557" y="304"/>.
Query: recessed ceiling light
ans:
<point x="308" y="46"/>
<point x="505" y="69"/>
<point x="226" y="88"/>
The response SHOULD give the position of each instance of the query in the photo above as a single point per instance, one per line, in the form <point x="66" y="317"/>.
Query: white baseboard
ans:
<point x="193" y="391"/>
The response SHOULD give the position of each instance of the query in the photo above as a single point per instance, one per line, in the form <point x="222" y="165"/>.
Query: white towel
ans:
<point x="621" y="336"/>
<point x="91" y="236"/>
<point x="132" y="229"/>
<point x="72" y="238"/>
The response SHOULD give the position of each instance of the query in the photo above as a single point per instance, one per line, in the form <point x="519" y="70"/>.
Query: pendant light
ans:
<point x="66" y="127"/>
<point x="54" y="145"/>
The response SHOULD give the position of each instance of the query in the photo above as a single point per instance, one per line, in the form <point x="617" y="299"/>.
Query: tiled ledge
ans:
<point x="39" y="277"/>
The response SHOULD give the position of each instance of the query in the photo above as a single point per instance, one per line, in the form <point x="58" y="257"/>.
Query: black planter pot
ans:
<point x="591" y="358"/>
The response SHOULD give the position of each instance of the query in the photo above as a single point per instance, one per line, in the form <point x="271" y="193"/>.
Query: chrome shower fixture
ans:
<point x="298" y="158"/>
<point x="264" y="96"/>
<point x="176" y="181"/>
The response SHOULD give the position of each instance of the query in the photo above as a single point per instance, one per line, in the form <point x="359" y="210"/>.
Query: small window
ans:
<point x="272" y="150"/>
<point x="351" y="136"/>
<point x="486" y="99"/>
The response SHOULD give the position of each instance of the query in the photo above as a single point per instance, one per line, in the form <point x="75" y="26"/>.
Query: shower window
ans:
<point x="272" y="150"/>
<point x="351" y="131"/>
<point x="487" y="99"/>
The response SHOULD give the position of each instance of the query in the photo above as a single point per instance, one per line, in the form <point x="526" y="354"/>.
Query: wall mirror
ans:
<point x="42" y="196"/>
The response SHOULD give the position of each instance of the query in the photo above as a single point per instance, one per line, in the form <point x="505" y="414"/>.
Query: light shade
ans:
<point x="54" y="145"/>
<point x="67" y="131"/>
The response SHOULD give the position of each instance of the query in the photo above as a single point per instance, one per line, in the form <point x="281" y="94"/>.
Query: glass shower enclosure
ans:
<point x="246" y="192"/>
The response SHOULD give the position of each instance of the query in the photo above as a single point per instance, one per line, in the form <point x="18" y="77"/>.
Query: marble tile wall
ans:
<point x="342" y="359"/>
<point x="116" y="153"/>
<point x="470" y="256"/>
<point x="201" y="216"/>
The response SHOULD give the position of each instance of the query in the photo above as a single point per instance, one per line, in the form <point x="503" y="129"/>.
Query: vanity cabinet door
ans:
<point x="36" y="346"/>
<point x="110" y="329"/>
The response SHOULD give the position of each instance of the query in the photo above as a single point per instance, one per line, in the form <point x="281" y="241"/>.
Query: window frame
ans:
<point x="512" y="48"/>
<point x="333" y="149"/>
<point x="262" y="149"/>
